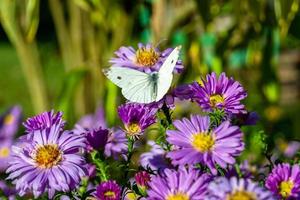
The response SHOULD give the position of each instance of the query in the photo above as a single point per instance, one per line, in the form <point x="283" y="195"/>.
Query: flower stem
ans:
<point x="167" y="113"/>
<point x="101" y="166"/>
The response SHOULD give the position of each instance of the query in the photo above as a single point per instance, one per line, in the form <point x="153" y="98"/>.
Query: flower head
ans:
<point x="178" y="185"/>
<point x="195" y="143"/>
<point x="219" y="93"/>
<point x="9" y="122"/>
<point x="155" y="158"/>
<point x="44" y="120"/>
<point x="96" y="138"/>
<point x="236" y="189"/>
<point x="284" y="181"/>
<point x="142" y="178"/>
<point x="108" y="190"/>
<point x="146" y="58"/>
<point x="136" y="118"/>
<point x="49" y="161"/>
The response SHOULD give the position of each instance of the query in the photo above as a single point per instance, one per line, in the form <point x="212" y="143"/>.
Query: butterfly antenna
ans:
<point x="160" y="42"/>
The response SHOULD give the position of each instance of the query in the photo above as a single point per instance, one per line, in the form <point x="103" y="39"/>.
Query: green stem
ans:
<point x="167" y="113"/>
<point x="101" y="166"/>
<point x="129" y="156"/>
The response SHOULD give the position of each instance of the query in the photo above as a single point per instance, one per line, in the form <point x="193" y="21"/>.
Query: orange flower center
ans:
<point x="146" y="57"/>
<point x="48" y="156"/>
<point x="133" y="129"/>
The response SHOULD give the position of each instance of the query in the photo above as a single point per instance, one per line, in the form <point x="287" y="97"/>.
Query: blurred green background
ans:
<point x="52" y="52"/>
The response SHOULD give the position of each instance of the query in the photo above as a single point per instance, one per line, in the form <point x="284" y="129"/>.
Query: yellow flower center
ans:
<point x="241" y="195"/>
<point x="216" y="99"/>
<point x="4" y="152"/>
<point x="146" y="57"/>
<point x="9" y="119"/>
<point x="48" y="156"/>
<point x="203" y="142"/>
<point x="285" y="188"/>
<point x="178" y="196"/>
<point x="131" y="196"/>
<point x="133" y="129"/>
<point x="110" y="194"/>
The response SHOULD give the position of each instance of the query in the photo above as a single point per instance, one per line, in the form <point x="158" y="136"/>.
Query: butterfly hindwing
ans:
<point x="136" y="86"/>
<point x="140" y="92"/>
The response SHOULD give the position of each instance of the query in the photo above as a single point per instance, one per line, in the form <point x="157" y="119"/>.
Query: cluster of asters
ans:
<point x="194" y="158"/>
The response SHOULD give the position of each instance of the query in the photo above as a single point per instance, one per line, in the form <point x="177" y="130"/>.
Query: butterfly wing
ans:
<point x="165" y="74"/>
<point x="136" y="86"/>
<point x="140" y="92"/>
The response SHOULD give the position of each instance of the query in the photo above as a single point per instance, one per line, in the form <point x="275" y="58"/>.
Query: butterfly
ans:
<point x="140" y="87"/>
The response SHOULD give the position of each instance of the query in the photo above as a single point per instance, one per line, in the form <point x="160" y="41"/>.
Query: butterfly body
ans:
<point x="141" y="87"/>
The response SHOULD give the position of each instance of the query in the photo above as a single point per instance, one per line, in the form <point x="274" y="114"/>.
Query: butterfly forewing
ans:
<point x="165" y="74"/>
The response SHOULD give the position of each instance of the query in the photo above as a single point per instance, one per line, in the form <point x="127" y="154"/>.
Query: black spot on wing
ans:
<point x="119" y="77"/>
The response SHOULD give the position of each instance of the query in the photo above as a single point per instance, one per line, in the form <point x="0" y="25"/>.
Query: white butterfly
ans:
<point x="141" y="87"/>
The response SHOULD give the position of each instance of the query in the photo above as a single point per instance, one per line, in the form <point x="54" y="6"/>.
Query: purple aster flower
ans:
<point x="108" y="190"/>
<point x="142" y="178"/>
<point x="219" y="93"/>
<point x="182" y="184"/>
<point x="93" y="121"/>
<point x="49" y="161"/>
<point x="96" y="138"/>
<point x="222" y="188"/>
<point x="44" y="120"/>
<point x="9" y="122"/>
<point x="5" y="153"/>
<point x="136" y="118"/>
<point x="155" y="159"/>
<point x="146" y="59"/>
<point x="116" y="144"/>
<point x="196" y="143"/>
<point x="284" y="181"/>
